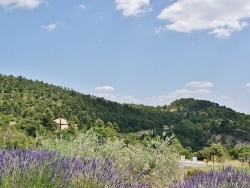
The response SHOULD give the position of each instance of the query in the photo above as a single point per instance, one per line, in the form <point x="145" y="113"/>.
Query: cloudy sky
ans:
<point x="132" y="51"/>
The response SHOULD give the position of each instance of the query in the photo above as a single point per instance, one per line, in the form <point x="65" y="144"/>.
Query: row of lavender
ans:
<point x="41" y="168"/>
<point x="227" y="177"/>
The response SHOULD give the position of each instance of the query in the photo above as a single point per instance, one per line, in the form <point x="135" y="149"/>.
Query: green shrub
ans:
<point x="155" y="164"/>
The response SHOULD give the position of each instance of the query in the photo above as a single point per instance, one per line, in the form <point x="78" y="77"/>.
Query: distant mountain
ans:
<point x="196" y="123"/>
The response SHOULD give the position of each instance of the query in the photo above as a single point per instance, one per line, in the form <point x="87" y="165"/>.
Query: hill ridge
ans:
<point x="194" y="122"/>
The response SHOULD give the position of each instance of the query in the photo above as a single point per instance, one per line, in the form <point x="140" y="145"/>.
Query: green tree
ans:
<point x="215" y="149"/>
<point x="99" y="123"/>
<point x="48" y="117"/>
<point x="218" y="150"/>
<point x="206" y="154"/>
<point x="11" y="137"/>
<point x="187" y="152"/>
<point x="245" y="153"/>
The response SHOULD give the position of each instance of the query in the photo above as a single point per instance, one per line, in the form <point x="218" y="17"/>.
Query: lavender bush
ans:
<point x="41" y="168"/>
<point x="227" y="177"/>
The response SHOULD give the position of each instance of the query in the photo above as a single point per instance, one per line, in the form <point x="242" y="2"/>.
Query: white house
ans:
<point x="61" y="123"/>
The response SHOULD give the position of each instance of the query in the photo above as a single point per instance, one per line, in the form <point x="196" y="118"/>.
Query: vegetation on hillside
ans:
<point x="28" y="107"/>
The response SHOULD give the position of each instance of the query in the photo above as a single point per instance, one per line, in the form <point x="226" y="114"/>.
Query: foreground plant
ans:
<point x="41" y="168"/>
<point x="227" y="177"/>
<point x="154" y="163"/>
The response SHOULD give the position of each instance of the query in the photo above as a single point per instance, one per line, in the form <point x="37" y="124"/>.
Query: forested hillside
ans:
<point x="204" y="121"/>
<point x="31" y="105"/>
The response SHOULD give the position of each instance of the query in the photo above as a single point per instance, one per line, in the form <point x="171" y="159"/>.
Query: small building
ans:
<point x="61" y="124"/>
<point x="12" y="123"/>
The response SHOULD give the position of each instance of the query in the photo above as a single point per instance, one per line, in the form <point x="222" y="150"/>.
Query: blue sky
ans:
<point x="132" y="51"/>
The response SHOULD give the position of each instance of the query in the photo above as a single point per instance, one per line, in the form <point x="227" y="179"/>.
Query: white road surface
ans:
<point x="188" y="163"/>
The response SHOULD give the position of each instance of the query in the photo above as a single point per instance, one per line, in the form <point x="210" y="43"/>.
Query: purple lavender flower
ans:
<point x="226" y="177"/>
<point x="41" y="168"/>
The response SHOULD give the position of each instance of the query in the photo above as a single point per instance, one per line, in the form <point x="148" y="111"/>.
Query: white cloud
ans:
<point x="165" y="97"/>
<point x="199" y="88"/>
<point x="200" y="84"/>
<point x="201" y="91"/>
<point x="50" y="27"/>
<point x="106" y="96"/>
<point x="104" y="88"/>
<point x="180" y="92"/>
<point x="22" y="4"/>
<point x="129" y="99"/>
<point x="185" y="92"/>
<point x="220" y="17"/>
<point x="81" y="6"/>
<point x="248" y="86"/>
<point x="103" y="91"/>
<point x="133" y="7"/>
<point x="118" y="98"/>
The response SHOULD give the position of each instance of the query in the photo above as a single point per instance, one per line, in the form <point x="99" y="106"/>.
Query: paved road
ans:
<point x="192" y="164"/>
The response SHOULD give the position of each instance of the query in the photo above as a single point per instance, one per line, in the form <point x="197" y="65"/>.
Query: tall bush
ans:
<point x="156" y="163"/>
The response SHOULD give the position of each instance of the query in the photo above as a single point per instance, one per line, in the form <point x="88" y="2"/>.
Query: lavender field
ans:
<point x="41" y="168"/>
<point x="85" y="162"/>
<point x="227" y="177"/>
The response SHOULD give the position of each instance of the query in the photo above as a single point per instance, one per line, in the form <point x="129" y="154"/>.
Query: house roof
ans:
<point x="61" y="121"/>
